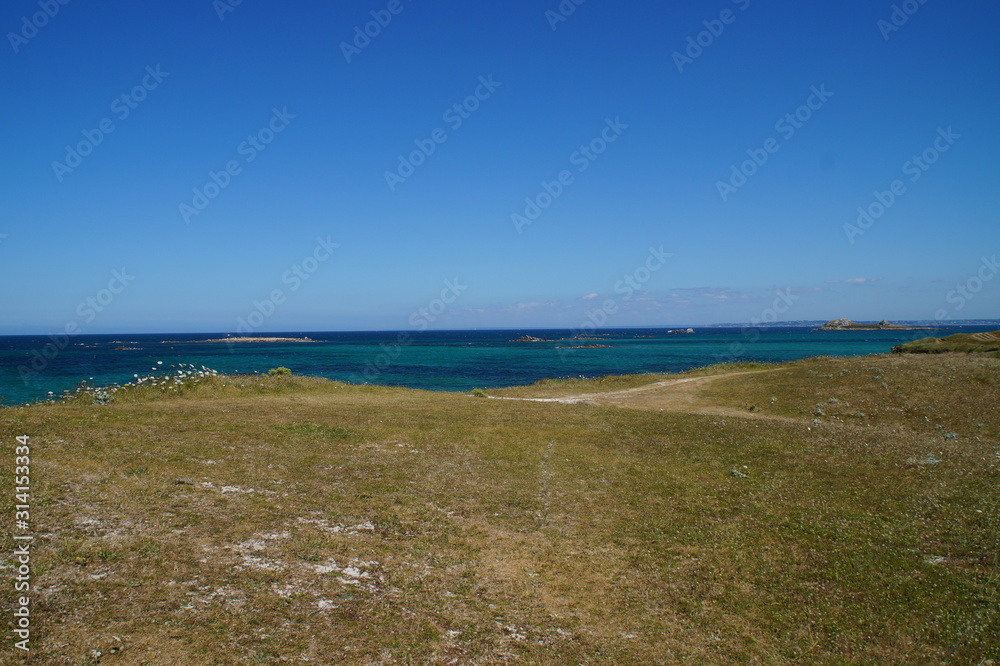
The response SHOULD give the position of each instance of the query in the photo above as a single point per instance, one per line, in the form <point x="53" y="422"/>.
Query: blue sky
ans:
<point x="209" y="85"/>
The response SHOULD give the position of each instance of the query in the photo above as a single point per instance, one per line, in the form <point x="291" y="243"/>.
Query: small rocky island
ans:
<point x="848" y="325"/>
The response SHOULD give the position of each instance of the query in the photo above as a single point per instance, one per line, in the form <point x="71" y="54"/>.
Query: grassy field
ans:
<point x="959" y="342"/>
<point x="823" y="511"/>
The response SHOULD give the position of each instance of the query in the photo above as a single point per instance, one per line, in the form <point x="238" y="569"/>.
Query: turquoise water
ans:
<point x="32" y="366"/>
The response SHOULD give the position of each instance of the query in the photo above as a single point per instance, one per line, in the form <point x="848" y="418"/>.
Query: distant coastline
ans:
<point x="242" y="339"/>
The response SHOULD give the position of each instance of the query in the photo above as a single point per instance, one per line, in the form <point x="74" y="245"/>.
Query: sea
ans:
<point x="34" y="368"/>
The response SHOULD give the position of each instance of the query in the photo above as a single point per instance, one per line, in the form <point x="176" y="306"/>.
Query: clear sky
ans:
<point x="177" y="166"/>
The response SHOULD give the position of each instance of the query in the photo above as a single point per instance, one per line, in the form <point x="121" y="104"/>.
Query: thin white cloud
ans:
<point x="857" y="280"/>
<point x="521" y="307"/>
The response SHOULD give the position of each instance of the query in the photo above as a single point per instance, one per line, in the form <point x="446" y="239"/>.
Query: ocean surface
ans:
<point x="33" y="366"/>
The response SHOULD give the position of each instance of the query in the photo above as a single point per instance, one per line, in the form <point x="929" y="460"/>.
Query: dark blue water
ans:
<point x="32" y="366"/>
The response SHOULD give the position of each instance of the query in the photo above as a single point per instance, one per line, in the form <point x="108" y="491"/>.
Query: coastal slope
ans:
<point x="959" y="342"/>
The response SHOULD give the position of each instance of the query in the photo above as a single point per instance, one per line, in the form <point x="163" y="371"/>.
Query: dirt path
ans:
<point x="672" y="395"/>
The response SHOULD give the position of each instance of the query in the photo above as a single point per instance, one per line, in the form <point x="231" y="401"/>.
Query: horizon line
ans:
<point x="796" y="323"/>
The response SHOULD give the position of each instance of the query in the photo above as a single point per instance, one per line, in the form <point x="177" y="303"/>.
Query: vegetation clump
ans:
<point x="180" y="377"/>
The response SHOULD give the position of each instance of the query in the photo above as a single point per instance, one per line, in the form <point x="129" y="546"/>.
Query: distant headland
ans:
<point x="848" y="325"/>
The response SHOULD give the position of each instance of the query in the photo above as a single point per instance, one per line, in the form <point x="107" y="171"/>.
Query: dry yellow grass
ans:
<point x="273" y="519"/>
